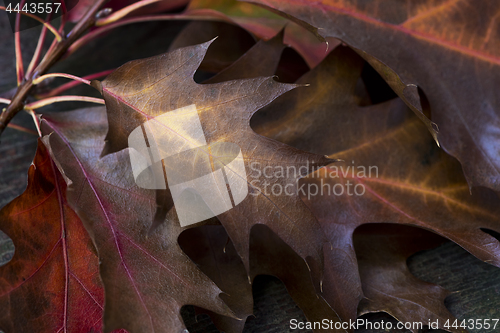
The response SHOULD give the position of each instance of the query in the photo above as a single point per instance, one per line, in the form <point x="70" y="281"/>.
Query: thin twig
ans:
<point x="38" y="50"/>
<point x="17" y="41"/>
<point x="63" y="17"/>
<point x="167" y="17"/>
<point x="123" y="12"/>
<point x="19" y="59"/>
<point x="50" y="59"/>
<point x="4" y="100"/>
<point x="14" y="126"/>
<point x="68" y="76"/>
<point x="36" y="121"/>
<point x="57" y="99"/>
<point x="21" y="128"/>
<point x="72" y="84"/>
<point x="45" y="24"/>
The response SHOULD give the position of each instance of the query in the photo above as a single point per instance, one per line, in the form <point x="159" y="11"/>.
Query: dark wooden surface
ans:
<point x="475" y="285"/>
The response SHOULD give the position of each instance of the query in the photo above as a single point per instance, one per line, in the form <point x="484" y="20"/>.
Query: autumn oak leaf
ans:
<point x="449" y="49"/>
<point x="219" y="55"/>
<point x="141" y="90"/>
<point x="388" y="285"/>
<point x="407" y="179"/>
<point x="212" y="251"/>
<point x="52" y="283"/>
<point x="263" y="24"/>
<point x="146" y="276"/>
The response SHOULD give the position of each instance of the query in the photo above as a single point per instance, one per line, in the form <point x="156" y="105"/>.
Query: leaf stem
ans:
<point x="14" y="126"/>
<point x="38" y="50"/>
<point x="19" y="59"/>
<point x="50" y="59"/>
<point x="68" y="98"/>
<point x="45" y="24"/>
<point x="93" y="34"/>
<point x="68" y="76"/>
<point x="123" y="12"/>
<point x="61" y="27"/>
<point x="4" y="100"/>
<point x="36" y="121"/>
<point x="19" y="53"/>
<point x="63" y="17"/>
<point x="21" y="128"/>
<point x="72" y="84"/>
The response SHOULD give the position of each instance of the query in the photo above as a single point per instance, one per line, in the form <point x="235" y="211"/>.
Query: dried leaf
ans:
<point x="147" y="278"/>
<point x="143" y="89"/>
<point x="231" y="43"/>
<point x="212" y="251"/>
<point x="413" y="182"/>
<point x="52" y="283"/>
<point x="261" y="60"/>
<point x="271" y="256"/>
<point x="388" y="285"/>
<point x="259" y="21"/>
<point x="82" y="6"/>
<point x="210" y="248"/>
<point x="263" y="24"/>
<point x="448" y="49"/>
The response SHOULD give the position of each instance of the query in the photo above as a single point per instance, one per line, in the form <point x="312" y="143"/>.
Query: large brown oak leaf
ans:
<point x="450" y="49"/>
<point x="143" y="89"/>
<point x="413" y="181"/>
